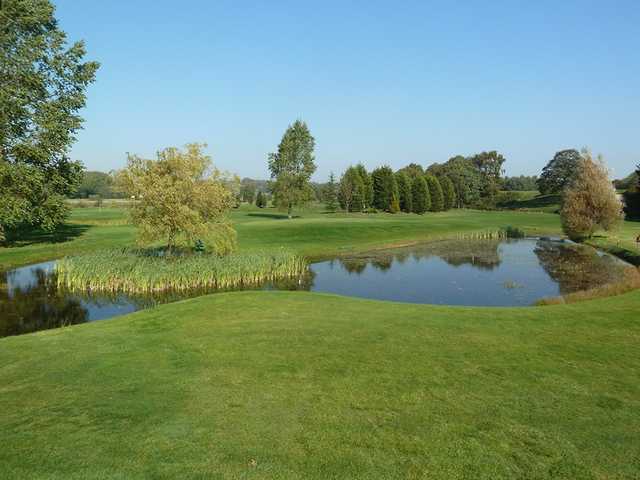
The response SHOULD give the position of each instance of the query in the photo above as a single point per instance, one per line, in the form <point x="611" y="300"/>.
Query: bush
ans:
<point x="513" y="232"/>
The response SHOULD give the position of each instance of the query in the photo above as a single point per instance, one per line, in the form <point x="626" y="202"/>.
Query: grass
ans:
<point x="134" y="271"/>
<point x="291" y="385"/>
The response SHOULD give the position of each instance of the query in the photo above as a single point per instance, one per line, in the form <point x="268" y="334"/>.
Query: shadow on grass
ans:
<point x="541" y="201"/>
<point x="63" y="233"/>
<point x="277" y="216"/>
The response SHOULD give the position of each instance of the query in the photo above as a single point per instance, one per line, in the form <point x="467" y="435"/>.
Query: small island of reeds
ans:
<point x="143" y="271"/>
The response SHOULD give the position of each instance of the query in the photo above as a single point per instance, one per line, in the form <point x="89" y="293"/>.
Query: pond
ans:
<point x="459" y="272"/>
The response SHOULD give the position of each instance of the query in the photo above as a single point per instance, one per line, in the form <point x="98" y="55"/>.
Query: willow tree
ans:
<point x="291" y="168"/>
<point x="180" y="198"/>
<point x="590" y="202"/>
<point x="42" y="88"/>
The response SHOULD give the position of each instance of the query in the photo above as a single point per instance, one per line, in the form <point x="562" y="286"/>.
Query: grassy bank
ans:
<point x="295" y="385"/>
<point x="134" y="271"/>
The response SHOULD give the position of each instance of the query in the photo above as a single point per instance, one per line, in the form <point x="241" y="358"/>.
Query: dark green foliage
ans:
<point x="247" y="191"/>
<point x="466" y="179"/>
<point x="331" y="194"/>
<point x="559" y="172"/>
<point x="199" y="246"/>
<point x="489" y="165"/>
<point x="261" y="200"/>
<point x="513" y="232"/>
<point x="521" y="183"/>
<point x="632" y="203"/>
<point x="413" y="170"/>
<point x="40" y="97"/>
<point x="291" y="168"/>
<point x="404" y="190"/>
<point x="448" y="192"/>
<point x="435" y="191"/>
<point x="421" y="200"/>
<point x="384" y="188"/>
<point x="96" y="184"/>
<point x="352" y="190"/>
<point x="367" y="182"/>
<point x="628" y="182"/>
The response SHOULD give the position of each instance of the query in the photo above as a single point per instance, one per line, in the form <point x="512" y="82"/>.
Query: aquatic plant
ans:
<point x="136" y="271"/>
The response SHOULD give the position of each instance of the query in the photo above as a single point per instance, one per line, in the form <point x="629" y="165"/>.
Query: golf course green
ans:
<point x="296" y="385"/>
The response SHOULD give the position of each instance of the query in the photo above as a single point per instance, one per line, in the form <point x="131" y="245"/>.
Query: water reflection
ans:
<point x="485" y="272"/>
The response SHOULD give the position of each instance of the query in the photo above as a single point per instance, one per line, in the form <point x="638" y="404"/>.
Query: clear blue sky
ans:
<point x="377" y="82"/>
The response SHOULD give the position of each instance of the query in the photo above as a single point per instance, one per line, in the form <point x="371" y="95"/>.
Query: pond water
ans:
<point x="460" y="272"/>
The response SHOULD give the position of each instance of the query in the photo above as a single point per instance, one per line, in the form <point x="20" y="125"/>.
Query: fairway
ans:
<point x="297" y="385"/>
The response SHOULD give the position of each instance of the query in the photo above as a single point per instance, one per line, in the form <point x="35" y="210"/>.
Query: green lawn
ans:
<point x="296" y="385"/>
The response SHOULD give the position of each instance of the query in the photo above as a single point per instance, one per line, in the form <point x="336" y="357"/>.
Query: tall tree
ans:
<point x="384" y="188"/>
<point x="404" y="190"/>
<point x="435" y="191"/>
<point x="291" y="168"/>
<point x="180" y="199"/>
<point x="367" y="182"/>
<point x="489" y="164"/>
<point x="466" y="180"/>
<point x="413" y="170"/>
<point x="421" y="200"/>
<point x="247" y="191"/>
<point x="448" y="192"/>
<point x="590" y="202"/>
<point x="331" y="194"/>
<point x="351" y="190"/>
<point x="559" y="172"/>
<point x="261" y="201"/>
<point x="42" y="89"/>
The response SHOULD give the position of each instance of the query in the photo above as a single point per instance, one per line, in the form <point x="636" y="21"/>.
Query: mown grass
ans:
<point x="139" y="271"/>
<point x="292" y="385"/>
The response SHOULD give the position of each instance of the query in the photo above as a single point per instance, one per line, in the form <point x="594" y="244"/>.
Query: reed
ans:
<point x="132" y="271"/>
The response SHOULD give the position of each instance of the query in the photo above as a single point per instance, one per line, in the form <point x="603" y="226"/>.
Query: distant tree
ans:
<point x="384" y="188"/>
<point x="435" y="191"/>
<point x="520" y="184"/>
<point x="43" y="81"/>
<point x="448" y="192"/>
<point x="95" y="183"/>
<point x="632" y="197"/>
<point x="413" y="170"/>
<point x="291" y="168"/>
<point x="261" y="200"/>
<point x="181" y="199"/>
<point x="466" y="180"/>
<point x="559" y="172"/>
<point x="367" y="182"/>
<point x="589" y="202"/>
<point x="331" y="194"/>
<point x="421" y="201"/>
<point x="404" y="190"/>
<point x="394" y="207"/>
<point x="351" y="190"/>
<point x="247" y="191"/>
<point x="489" y="164"/>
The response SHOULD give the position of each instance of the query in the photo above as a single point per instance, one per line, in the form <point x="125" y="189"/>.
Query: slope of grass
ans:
<point x="292" y="385"/>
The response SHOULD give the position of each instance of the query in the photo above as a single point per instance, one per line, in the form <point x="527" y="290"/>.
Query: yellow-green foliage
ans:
<point x="180" y="198"/>
<point x="134" y="271"/>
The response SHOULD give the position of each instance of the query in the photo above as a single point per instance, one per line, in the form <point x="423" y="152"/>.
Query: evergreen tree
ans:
<point x="448" y="192"/>
<point x="331" y="194"/>
<point x="435" y="190"/>
<point x="384" y="187"/>
<point x="367" y="182"/>
<point x="421" y="201"/>
<point x="404" y="190"/>
<point x="261" y="201"/>
<point x="351" y="190"/>
<point x="291" y="168"/>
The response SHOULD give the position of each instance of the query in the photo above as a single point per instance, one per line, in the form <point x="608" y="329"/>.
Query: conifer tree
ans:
<point x="421" y="201"/>
<point x="435" y="190"/>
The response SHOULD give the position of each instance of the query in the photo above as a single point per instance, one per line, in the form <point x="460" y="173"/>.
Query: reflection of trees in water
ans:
<point x="481" y="254"/>
<point x="577" y="267"/>
<point x="36" y="308"/>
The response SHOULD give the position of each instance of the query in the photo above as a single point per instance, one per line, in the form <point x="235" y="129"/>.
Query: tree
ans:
<point x="95" y="183"/>
<point x="291" y="168"/>
<point x="404" y="190"/>
<point x="448" y="192"/>
<point x="180" y="199"/>
<point x="520" y="183"/>
<point x="559" y="172"/>
<point x="367" y="182"/>
<point x="489" y="164"/>
<point x="247" y="191"/>
<point x="413" y="170"/>
<point x="466" y="179"/>
<point x="261" y="200"/>
<point x="590" y="202"/>
<point x="331" y="194"/>
<point x="421" y="201"/>
<point x="384" y="188"/>
<point x="435" y="191"/>
<point x="351" y="190"/>
<point x="42" y="89"/>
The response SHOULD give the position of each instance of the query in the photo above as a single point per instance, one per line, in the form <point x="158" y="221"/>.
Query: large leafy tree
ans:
<point x="367" y="182"/>
<point x="351" y="190"/>
<point x="180" y="198"/>
<point x="489" y="164"/>
<point x="465" y="177"/>
<point x="449" y="192"/>
<point x="291" y="168"/>
<point x="590" y="202"/>
<point x="42" y="88"/>
<point x="385" y="188"/>
<point x="559" y="172"/>
<point x="404" y="190"/>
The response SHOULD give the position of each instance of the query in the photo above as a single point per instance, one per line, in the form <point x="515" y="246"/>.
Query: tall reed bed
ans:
<point x="132" y="271"/>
